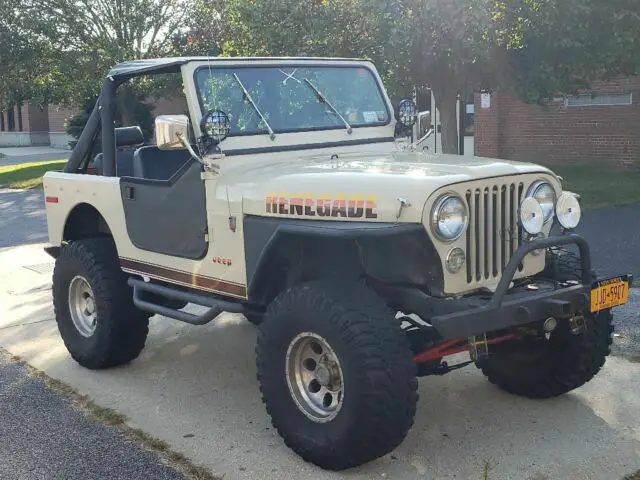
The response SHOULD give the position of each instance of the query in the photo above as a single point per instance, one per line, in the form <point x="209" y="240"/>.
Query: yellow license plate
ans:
<point x="609" y="293"/>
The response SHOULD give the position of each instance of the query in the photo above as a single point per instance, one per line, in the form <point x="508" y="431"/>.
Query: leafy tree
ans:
<point x="339" y="28"/>
<point x="534" y="48"/>
<point x="422" y="43"/>
<point x="25" y="59"/>
<point x="93" y="36"/>
<point x="556" y="47"/>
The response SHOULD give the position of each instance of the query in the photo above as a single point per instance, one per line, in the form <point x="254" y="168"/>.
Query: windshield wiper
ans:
<point x="247" y="96"/>
<point x="323" y="99"/>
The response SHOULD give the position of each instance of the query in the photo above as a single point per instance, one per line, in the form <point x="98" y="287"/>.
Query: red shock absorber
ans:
<point x="450" y="347"/>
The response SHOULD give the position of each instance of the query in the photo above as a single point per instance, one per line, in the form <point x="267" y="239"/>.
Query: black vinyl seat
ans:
<point x="127" y="140"/>
<point x="152" y="163"/>
<point x="124" y="162"/>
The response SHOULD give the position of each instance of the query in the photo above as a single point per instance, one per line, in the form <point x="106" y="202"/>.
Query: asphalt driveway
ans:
<point x="22" y="217"/>
<point x="43" y="437"/>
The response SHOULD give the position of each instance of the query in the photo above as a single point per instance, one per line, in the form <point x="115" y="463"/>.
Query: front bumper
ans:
<point x="505" y="308"/>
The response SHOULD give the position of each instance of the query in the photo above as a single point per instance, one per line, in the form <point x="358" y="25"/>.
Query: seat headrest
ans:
<point x="129" y="136"/>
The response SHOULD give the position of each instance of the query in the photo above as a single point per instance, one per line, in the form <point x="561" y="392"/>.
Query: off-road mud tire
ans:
<point x="380" y="381"/>
<point x="573" y="361"/>
<point x="121" y="329"/>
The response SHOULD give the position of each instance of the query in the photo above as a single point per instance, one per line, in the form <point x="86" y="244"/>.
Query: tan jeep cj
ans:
<point x="296" y="194"/>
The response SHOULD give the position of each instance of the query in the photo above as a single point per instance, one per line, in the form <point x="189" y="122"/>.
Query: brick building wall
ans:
<point x="581" y="129"/>
<point x="58" y="116"/>
<point x="24" y="125"/>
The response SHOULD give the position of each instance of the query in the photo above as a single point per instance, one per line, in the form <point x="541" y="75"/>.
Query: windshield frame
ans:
<point x="340" y="126"/>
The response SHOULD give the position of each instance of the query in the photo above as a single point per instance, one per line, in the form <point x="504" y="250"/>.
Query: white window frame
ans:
<point x="590" y="100"/>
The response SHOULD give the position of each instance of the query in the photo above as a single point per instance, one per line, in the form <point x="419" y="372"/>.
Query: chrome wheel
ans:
<point x="82" y="306"/>
<point x="314" y="377"/>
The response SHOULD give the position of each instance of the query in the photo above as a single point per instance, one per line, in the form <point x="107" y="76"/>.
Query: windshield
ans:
<point x="285" y="99"/>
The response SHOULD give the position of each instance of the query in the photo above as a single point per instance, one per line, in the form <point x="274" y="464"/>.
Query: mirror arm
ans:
<point x="209" y="166"/>
<point x="413" y="145"/>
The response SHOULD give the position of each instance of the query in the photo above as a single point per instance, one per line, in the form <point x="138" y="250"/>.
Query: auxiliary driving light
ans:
<point x="531" y="216"/>
<point x="455" y="260"/>
<point x="568" y="210"/>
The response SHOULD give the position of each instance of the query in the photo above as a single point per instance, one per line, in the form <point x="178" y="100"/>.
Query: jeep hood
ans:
<point x="296" y="187"/>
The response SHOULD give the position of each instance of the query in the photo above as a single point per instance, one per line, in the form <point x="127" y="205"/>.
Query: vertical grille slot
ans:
<point x="494" y="232"/>
<point x="471" y="236"/>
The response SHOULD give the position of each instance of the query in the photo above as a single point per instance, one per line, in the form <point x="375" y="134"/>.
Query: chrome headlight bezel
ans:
<point x="436" y="210"/>
<point x="548" y="210"/>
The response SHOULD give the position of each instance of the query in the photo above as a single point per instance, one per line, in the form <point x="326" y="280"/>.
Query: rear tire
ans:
<point x="370" y="377"/>
<point x="549" y="368"/>
<point x="93" y="305"/>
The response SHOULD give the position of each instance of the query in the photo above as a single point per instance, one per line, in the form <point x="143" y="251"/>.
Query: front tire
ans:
<point x="93" y="305"/>
<point x="540" y="368"/>
<point x="336" y="374"/>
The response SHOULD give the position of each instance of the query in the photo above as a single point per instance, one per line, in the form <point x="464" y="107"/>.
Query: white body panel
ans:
<point x="364" y="169"/>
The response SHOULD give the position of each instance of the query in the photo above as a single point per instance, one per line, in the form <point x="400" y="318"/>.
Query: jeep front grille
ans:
<point x="494" y="233"/>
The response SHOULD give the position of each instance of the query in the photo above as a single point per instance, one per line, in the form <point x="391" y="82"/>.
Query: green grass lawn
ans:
<point x="27" y="175"/>
<point x="600" y="187"/>
<point x="633" y="476"/>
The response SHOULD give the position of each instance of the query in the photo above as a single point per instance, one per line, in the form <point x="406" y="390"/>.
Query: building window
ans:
<point x="598" y="100"/>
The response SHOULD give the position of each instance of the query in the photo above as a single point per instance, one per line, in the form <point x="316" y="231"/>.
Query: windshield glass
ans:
<point x="286" y="100"/>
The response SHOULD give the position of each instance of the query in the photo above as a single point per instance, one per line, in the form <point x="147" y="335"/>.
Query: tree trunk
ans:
<point x="446" y="102"/>
<point x="19" y="106"/>
<point x="126" y="103"/>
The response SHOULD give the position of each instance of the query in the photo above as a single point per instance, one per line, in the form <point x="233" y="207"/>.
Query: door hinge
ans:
<point x="129" y="193"/>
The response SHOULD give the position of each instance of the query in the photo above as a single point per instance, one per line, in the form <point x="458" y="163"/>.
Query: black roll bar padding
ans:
<point x="107" y="101"/>
<point x="216" y="307"/>
<point x="518" y="257"/>
<point x="85" y="141"/>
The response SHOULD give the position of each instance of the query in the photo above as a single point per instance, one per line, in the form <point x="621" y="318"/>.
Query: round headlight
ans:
<point x="455" y="260"/>
<point x="568" y="210"/>
<point x="449" y="218"/>
<point x="544" y="193"/>
<point x="531" y="216"/>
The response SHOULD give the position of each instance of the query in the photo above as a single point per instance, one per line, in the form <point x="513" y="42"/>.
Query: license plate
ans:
<point x="609" y="293"/>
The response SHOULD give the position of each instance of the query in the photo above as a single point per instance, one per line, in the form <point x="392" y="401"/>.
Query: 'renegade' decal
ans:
<point x="324" y="205"/>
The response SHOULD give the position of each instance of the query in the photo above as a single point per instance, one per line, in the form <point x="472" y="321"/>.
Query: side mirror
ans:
<point x="407" y="113"/>
<point x="172" y="131"/>
<point x="424" y="122"/>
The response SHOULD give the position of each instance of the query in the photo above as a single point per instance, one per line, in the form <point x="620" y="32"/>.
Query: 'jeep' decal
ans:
<point x="309" y="205"/>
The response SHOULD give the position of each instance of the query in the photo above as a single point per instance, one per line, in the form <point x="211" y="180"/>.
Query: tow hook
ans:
<point x="577" y="325"/>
